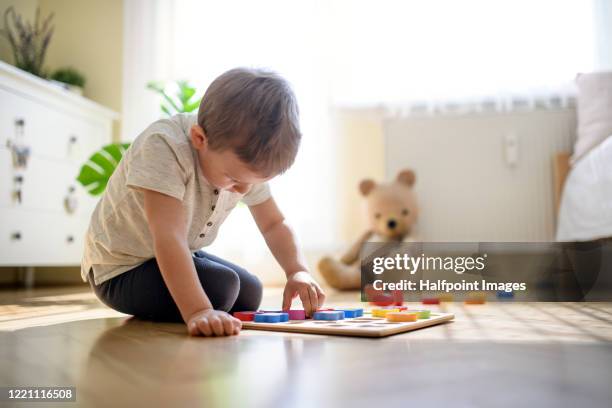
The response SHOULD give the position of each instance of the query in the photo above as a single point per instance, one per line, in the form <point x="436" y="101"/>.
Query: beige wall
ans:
<point x="89" y="37"/>
<point x="361" y="155"/>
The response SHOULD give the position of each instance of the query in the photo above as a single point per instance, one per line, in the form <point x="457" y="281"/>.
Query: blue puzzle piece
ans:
<point x="502" y="294"/>
<point x="349" y="313"/>
<point x="329" y="315"/>
<point x="271" y="317"/>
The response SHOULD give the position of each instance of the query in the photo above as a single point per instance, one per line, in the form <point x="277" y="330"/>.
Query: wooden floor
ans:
<point x="492" y="355"/>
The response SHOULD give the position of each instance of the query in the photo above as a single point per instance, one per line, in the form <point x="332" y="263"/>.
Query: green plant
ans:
<point x="183" y="100"/>
<point x="28" y="42"/>
<point x="98" y="169"/>
<point x="70" y="76"/>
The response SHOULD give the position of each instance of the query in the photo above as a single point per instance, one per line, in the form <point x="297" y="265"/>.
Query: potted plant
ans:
<point x="70" y="79"/>
<point x="29" y="42"/>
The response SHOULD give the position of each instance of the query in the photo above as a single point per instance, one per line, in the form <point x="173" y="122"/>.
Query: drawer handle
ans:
<point x="71" y="202"/>
<point x="70" y="239"/>
<point x="19" y="151"/>
<point x="16" y="236"/>
<point x="73" y="139"/>
<point x="17" y="190"/>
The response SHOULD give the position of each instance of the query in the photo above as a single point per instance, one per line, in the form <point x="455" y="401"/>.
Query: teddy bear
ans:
<point x="392" y="212"/>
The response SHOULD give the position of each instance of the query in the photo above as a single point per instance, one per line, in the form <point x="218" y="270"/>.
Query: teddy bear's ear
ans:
<point x="406" y="177"/>
<point x="366" y="186"/>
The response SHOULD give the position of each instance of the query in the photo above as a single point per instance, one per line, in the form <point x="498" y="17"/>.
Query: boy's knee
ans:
<point x="228" y="287"/>
<point x="251" y="293"/>
<point x="254" y="287"/>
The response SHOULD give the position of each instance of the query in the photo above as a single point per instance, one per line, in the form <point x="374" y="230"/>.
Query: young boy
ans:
<point x="172" y="190"/>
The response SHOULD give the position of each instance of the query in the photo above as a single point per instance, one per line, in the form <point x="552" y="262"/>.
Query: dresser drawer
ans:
<point x="49" y="133"/>
<point x="46" y="186"/>
<point x="46" y="183"/>
<point x="37" y="238"/>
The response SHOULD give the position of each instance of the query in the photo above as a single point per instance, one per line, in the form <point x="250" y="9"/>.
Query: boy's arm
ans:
<point x="282" y="243"/>
<point x="168" y="226"/>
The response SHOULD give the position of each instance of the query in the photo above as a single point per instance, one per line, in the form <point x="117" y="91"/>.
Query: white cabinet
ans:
<point x="61" y="130"/>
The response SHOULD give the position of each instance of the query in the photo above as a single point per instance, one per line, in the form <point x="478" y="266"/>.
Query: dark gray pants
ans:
<point x="142" y="291"/>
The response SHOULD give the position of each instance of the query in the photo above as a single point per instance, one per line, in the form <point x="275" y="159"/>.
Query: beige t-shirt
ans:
<point x="162" y="159"/>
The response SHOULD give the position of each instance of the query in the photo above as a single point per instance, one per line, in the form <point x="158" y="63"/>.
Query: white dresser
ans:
<point x="44" y="211"/>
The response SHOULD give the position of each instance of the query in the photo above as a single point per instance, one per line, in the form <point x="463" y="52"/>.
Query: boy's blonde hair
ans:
<point x="253" y="112"/>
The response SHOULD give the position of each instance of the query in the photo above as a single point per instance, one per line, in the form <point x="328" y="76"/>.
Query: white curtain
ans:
<point x="148" y="31"/>
<point x="199" y="40"/>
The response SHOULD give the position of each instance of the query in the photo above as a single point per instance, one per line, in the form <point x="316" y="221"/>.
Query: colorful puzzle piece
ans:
<point x="328" y="315"/>
<point x="245" y="316"/>
<point x="296" y="314"/>
<point x="476" y="298"/>
<point x="398" y="297"/>
<point x="401" y="317"/>
<point x="271" y="317"/>
<point x="422" y="314"/>
<point x="350" y="313"/>
<point x="383" y="312"/>
<point x="431" y="301"/>
<point x="378" y="297"/>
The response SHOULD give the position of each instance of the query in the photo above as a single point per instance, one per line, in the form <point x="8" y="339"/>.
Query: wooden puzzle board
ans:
<point x="364" y="326"/>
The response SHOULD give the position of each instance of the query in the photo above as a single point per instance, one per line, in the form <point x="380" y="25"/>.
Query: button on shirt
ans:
<point x="161" y="159"/>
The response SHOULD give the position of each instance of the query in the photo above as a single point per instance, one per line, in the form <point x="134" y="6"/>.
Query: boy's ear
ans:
<point x="198" y="137"/>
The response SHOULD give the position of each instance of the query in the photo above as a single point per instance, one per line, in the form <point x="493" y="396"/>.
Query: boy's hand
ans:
<point x="210" y="322"/>
<point x="311" y="294"/>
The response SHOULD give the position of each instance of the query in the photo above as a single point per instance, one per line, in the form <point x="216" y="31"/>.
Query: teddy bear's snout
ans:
<point x="391" y="224"/>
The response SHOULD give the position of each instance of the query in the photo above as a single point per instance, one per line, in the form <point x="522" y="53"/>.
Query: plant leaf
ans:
<point x="156" y="86"/>
<point x="185" y="92"/>
<point x="96" y="172"/>
<point x="165" y="109"/>
<point x="190" y="107"/>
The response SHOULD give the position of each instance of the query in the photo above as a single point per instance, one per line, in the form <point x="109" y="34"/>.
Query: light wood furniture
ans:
<point x="561" y="168"/>
<point x="44" y="212"/>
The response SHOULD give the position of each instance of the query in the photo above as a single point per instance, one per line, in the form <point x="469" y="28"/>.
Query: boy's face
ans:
<point x="223" y="169"/>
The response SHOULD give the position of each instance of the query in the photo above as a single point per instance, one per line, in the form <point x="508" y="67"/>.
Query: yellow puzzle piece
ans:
<point x="401" y="317"/>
